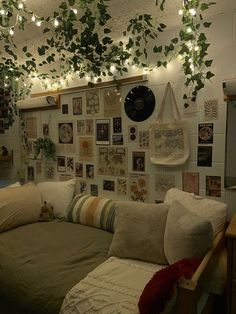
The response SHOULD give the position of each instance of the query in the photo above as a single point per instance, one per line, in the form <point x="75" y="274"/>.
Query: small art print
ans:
<point x="109" y="185"/>
<point x="138" y="187"/>
<point x="49" y="171"/>
<point x="77" y="105"/>
<point x="46" y="129"/>
<point x="138" y="161"/>
<point x="117" y="125"/>
<point x="190" y="182"/>
<point x="92" y="102"/>
<point x="64" y="109"/>
<point x="80" y="127"/>
<point x="79" y="169"/>
<point x="205" y="133"/>
<point x="164" y="182"/>
<point x="103" y="132"/>
<point x="86" y="148"/>
<point x="122" y="186"/>
<point x="144" y="139"/>
<point x="83" y="187"/>
<point x="112" y="103"/>
<point x="204" y="156"/>
<point x="30" y="173"/>
<point x="117" y="139"/>
<point x="65" y="131"/>
<point x="89" y="127"/>
<point x="61" y="163"/>
<point x="213" y="186"/>
<point x="94" y="189"/>
<point x="112" y="161"/>
<point x="69" y="164"/>
<point x="211" y="109"/>
<point x="90" y="171"/>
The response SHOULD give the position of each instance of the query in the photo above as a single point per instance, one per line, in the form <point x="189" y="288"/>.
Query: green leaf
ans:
<point x="107" y="30"/>
<point x="157" y="49"/>
<point x="208" y="63"/>
<point x="209" y="75"/>
<point x="207" y="24"/>
<point x="24" y="48"/>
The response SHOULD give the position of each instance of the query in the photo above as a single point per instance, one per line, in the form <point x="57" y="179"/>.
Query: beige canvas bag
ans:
<point x="169" y="145"/>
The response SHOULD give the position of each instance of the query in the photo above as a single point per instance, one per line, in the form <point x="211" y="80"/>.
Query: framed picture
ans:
<point x="90" y="171"/>
<point x="109" y="185"/>
<point x="61" y="163"/>
<point x="138" y="161"/>
<point x="79" y="169"/>
<point x="103" y="132"/>
<point x="77" y="105"/>
<point x="117" y="139"/>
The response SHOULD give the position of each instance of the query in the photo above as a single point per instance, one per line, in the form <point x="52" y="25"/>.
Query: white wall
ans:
<point x="223" y="47"/>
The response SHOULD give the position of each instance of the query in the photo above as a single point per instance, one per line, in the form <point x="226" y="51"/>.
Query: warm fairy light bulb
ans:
<point x="5" y="85"/>
<point x="75" y="11"/>
<point x="20" y="5"/>
<point x="6" y="77"/>
<point x="56" y="23"/>
<point x="19" y="18"/>
<point x="17" y="79"/>
<point x="87" y="77"/>
<point x="38" y="23"/>
<point x="189" y="30"/>
<point x="190" y="60"/>
<point x="112" y="68"/>
<point x="25" y="84"/>
<point x="33" y="18"/>
<point x="181" y="12"/>
<point x="196" y="48"/>
<point x="133" y="66"/>
<point x="192" y="12"/>
<point x="2" y="12"/>
<point x="11" y="32"/>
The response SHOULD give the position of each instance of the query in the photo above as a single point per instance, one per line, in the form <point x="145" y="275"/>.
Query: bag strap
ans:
<point x="174" y="107"/>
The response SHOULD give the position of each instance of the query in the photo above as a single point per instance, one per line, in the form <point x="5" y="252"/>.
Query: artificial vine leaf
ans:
<point x="209" y="75"/>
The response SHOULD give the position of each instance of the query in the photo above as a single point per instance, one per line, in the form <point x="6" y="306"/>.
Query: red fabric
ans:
<point x="160" y="288"/>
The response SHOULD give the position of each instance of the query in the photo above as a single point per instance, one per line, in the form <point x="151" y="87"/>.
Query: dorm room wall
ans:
<point x="222" y="36"/>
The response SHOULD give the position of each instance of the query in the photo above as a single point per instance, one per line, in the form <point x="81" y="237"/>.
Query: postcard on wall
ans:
<point x="138" y="161"/>
<point x="65" y="132"/>
<point x="80" y="127"/>
<point x="92" y="102"/>
<point x="112" y="161"/>
<point x="190" y="182"/>
<point x="103" y="132"/>
<point x="49" y="171"/>
<point x="204" y="156"/>
<point x="64" y="109"/>
<point x="77" y="105"/>
<point x="190" y="108"/>
<point x="117" y="125"/>
<point x="90" y="171"/>
<point x="109" y="185"/>
<point x="132" y="133"/>
<point x="94" y="189"/>
<point x="70" y="164"/>
<point x="122" y="185"/>
<point x="211" y="109"/>
<point x="138" y="187"/>
<point x="213" y="186"/>
<point x="86" y="148"/>
<point x="117" y="139"/>
<point x="164" y="182"/>
<point x="83" y="187"/>
<point x="112" y="103"/>
<point x="45" y="129"/>
<point x="31" y="127"/>
<point x="89" y="127"/>
<point x="144" y="139"/>
<point x="205" y="133"/>
<point x="61" y="163"/>
<point x="30" y="173"/>
<point x="79" y="169"/>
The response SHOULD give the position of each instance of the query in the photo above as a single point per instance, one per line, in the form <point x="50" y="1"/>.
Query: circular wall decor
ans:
<point x="139" y="103"/>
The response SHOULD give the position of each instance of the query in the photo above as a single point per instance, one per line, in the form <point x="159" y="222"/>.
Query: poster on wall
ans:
<point x="61" y="163"/>
<point x="122" y="185"/>
<point x="45" y="129"/>
<point x="90" y="171"/>
<point x="117" y="125"/>
<point x="204" y="156"/>
<point x="86" y="148"/>
<point x="109" y="185"/>
<point x="190" y="182"/>
<point x="38" y="167"/>
<point x="138" y="161"/>
<point x="77" y="105"/>
<point x="112" y="103"/>
<point x="117" y="139"/>
<point x="92" y="102"/>
<point x="70" y="164"/>
<point x="112" y="161"/>
<point x="211" y="109"/>
<point x="31" y="127"/>
<point x="83" y="187"/>
<point x="65" y="132"/>
<point x="144" y="139"/>
<point x="103" y="132"/>
<point x="94" y="189"/>
<point x="49" y="171"/>
<point x="164" y="182"/>
<point x="213" y="186"/>
<point x="89" y="127"/>
<point x="80" y="127"/>
<point x="205" y="133"/>
<point x="79" y="169"/>
<point x="138" y="187"/>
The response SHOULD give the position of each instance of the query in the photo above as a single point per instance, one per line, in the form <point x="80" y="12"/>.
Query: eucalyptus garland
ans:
<point x="79" y="41"/>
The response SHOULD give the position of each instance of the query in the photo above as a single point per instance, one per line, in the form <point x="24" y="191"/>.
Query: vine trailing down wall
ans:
<point x="79" y="36"/>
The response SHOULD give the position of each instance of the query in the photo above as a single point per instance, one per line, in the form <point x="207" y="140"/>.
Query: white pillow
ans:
<point x="214" y="211"/>
<point x="59" y="194"/>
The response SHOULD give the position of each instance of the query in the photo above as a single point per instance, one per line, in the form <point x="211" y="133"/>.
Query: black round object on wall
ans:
<point x="139" y="103"/>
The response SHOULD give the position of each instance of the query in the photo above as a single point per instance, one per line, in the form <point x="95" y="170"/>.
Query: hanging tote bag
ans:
<point x="169" y="144"/>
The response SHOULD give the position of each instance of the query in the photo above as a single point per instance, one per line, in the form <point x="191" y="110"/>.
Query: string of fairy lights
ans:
<point x="14" y="13"/>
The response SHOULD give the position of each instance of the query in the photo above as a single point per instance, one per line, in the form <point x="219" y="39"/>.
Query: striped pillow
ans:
<point x="92" y="211"/>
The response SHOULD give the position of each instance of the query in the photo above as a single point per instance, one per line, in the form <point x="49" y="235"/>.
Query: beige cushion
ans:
<point x="186" y="234"/>
<point x="19" y="206"/>
<point x="212" y="210"/>
<point x="59" y="194"/>
<point x="139" y="232"/>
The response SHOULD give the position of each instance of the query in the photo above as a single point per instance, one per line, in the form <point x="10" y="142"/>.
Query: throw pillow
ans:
<point x="92" y="211"/>
<point x="59" y="194"/>
<point x="19" y="206"/>
<point x="139" y="233"/>
<point x="160" y="289"/>
<point x="212" y="210"/>
<point x="186" y="234"/>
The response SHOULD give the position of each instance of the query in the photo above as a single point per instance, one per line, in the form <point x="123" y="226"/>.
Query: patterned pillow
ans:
<point x="92" y="211"/>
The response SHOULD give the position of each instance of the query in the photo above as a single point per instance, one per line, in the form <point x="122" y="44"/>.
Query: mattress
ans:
<point x="41" y="262"/>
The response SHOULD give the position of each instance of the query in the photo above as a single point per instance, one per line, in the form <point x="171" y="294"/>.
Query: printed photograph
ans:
<point x="64" y="109"/>
<point x="61" y="163"/>
<point x="103" y="132"/>
<point x="205" y="133"/>
<point x="190" y="182"/>
<point x="109" y="185"/>
<point x="65" y="131"/>
<point x="213" y="186"/>
<point x="94" y="189"/>
<point x="117" y="139"/>
<point x="117" y="125"/>
<point x="204" y="156"/>
<point x="138" y="161"/>
<point x="79" y="169"/>
<point x="90" y="171"/>
<point x="77" y="105"/>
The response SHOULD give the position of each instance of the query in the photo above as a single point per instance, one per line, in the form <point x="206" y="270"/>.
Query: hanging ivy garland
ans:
<point x="79" y="42"/>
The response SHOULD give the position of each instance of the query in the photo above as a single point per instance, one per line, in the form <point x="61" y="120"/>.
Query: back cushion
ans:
<point x="186" y="234"/>
<point x="139" y="231"/>
<point x="214" y="211"/>
<point x="92" y="211"/>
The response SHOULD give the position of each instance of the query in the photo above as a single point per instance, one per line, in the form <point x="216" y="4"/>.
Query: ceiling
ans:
<point x="122" y="10"/>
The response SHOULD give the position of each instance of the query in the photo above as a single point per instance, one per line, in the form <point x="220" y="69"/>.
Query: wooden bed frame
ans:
<point x="190" y="291"/>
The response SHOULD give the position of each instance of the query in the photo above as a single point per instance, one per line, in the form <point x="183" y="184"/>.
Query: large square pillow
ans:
<point x="19" y="206"/>
<point x="139" y="232"/>
<point x="59" y="194"/>
<point x="212" y="210"/>
<point x="186" y="235"/>
<point x="92" y="211"/>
